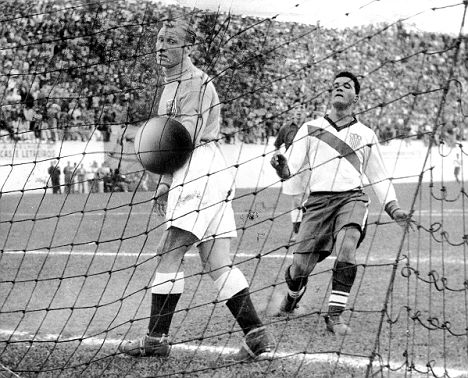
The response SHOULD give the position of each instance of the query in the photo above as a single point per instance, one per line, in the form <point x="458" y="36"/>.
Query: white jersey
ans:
<point x="199" y="199"/>
<point x="339" y="159"/>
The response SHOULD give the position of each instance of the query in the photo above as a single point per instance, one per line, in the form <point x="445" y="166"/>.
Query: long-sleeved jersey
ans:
<point x="190" y="97"/>
<point x="340" y="158"/>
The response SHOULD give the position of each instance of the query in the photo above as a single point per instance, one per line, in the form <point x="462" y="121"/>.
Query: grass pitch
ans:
<point x="75" y="272"/>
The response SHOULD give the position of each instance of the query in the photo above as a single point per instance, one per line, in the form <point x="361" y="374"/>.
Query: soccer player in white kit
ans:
<point x="294" y="187"/>
<point x="196" y="201"/>
<point x="340" y="152"/>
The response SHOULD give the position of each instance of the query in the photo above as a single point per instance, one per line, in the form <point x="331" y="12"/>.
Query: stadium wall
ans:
<point x="24" y="165"/>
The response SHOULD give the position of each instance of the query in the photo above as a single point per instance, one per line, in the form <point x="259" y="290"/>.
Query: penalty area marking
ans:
<point x="297" y="356"/>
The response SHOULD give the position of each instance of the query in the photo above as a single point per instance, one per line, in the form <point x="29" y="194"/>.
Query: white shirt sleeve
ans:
<point x="377" y="175"/>
<point x="297" y="154"/>
<point x="298" y="163"/>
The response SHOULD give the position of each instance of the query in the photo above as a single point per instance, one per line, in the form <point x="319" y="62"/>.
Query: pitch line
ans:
<point x="447" y="260"/>
<point x="296" y="356"/>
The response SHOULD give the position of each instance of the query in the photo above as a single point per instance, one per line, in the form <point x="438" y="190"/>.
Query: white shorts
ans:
<point x="200" y="199"/>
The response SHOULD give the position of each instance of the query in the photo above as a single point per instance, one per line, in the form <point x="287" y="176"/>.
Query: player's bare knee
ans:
<point x="347" y="256"/>
<point x="168" y="258"/>
<point x="299" y="271"/>
<point x="346" y="244"/>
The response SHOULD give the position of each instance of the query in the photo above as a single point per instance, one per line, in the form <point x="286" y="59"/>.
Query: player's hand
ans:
<point x="161" y="199"/>
<point x="278" y="161"/>
<point x="280" y="164"/>
<point x="402" y="218"/>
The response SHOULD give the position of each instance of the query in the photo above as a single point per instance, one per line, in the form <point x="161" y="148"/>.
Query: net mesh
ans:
<point x="79" y="234"/>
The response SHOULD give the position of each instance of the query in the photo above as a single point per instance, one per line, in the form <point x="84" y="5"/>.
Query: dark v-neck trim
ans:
<point x="339" y="128"/>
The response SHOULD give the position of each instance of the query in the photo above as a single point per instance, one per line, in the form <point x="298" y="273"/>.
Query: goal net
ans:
<point x="78" y="228"/>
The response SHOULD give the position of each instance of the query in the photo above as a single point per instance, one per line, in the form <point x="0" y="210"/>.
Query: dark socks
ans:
<point x="243" y="310"/>
<point x="162" y="311"/>
<point x="344" y="275"/>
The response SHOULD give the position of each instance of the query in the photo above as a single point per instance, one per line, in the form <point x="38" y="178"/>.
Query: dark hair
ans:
<point x="357" y="86"/>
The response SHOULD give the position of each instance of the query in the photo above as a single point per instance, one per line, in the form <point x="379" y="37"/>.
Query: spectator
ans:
<point x="108" y="181"/>
<point x="5" y="125"/>
<point x="103" y="175"/>
<point x="82" y="182"/>
<point x="68" y="172"/>
<point x="54" y="174"/>
<point x="34" y="69"/>
<point x="75" y="178"/>
<point x="93" y="178"/>
<point x="268" y="122"/>
<point x="119" y="181"/>
<point x="285" y="139"/>
<point x="456" y="167"/>
<point x="288" y="131"/>
<point x="32" y="117"/>
<point x="229" y="132"/>
<point x="53" y="112"/>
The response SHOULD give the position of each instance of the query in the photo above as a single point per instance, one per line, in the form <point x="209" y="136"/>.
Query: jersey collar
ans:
<point x="177" y="72"/>
<point x="339" y="128"/>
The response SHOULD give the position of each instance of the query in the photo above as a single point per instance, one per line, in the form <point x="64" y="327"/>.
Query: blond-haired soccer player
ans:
<point x="340" y="152"/>
<point x="196" y="201"/>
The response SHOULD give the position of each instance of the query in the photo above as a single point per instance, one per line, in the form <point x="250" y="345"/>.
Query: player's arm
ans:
<point x="291" y="164"/>
<point x="376" y="172"/>
<point x="166" y="180"/>
<point x="195" y="108"/>
<point x="400" y="216"/>
<point x="162" y="193"/>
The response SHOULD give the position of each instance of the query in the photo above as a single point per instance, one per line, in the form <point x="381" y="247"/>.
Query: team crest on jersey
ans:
<point x="171" y="107"/>
<point x="354" y="141"/>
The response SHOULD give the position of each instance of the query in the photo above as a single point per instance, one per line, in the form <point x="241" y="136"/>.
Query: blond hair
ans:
<point x="173" y="22"/>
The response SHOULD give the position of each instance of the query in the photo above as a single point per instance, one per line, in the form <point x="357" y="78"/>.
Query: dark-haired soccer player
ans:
<point x="339" y="151"/>
<point x="196" y="201"/>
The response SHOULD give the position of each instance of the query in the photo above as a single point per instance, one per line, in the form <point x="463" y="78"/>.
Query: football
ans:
<point x="163" y="145"/>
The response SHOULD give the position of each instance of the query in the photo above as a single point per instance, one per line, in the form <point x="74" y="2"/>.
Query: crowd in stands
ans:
<point x="81" y="70"/>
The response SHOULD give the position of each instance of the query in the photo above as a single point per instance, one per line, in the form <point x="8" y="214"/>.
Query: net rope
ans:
<point x="77" y="268"/>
